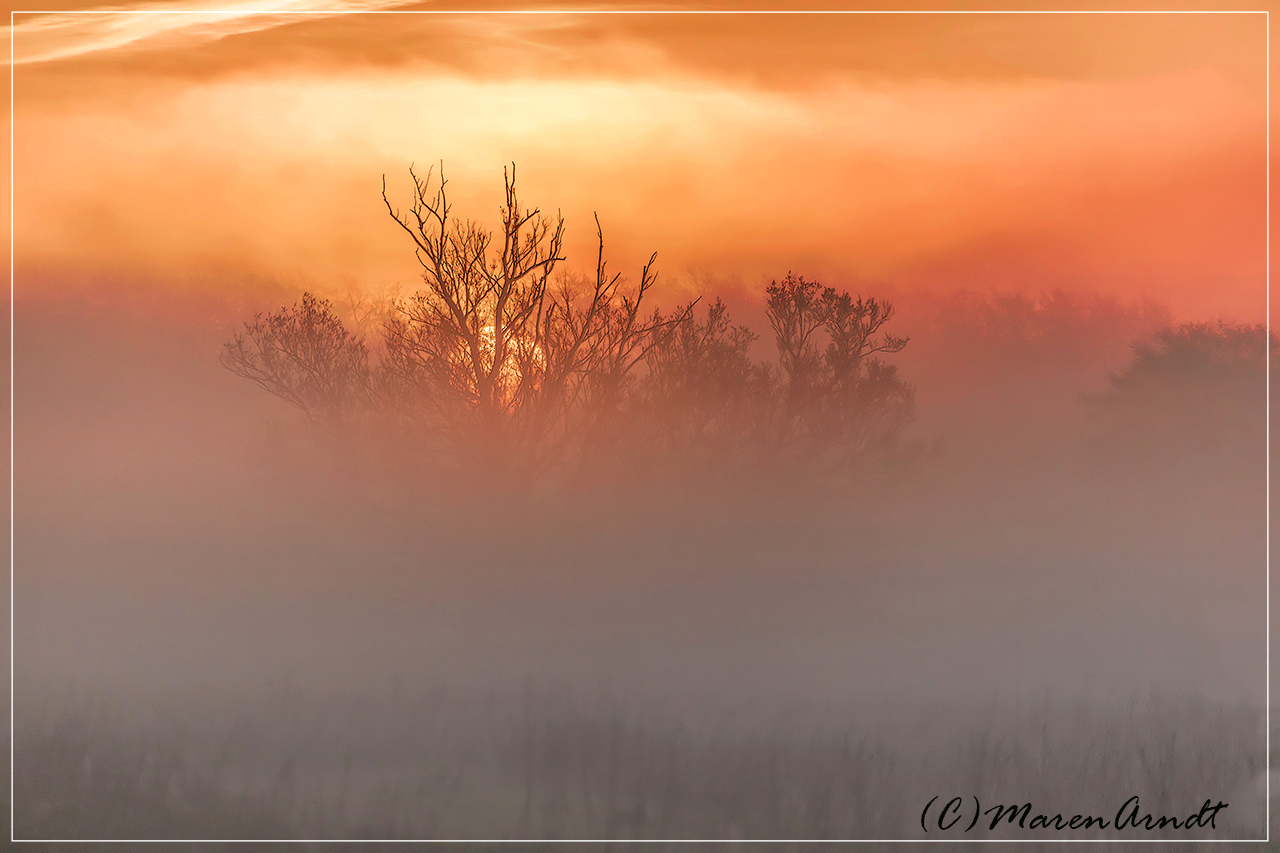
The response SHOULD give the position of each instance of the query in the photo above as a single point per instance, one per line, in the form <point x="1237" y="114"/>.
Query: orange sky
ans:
<point x="1114" y="153"/>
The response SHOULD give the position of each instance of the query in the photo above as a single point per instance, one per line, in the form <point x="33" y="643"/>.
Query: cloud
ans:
<point x="261" y="154"/>
<point x="64" y="35"/>
<point x="617" y="40"/>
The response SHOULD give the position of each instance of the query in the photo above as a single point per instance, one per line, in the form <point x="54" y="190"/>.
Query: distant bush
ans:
<point x="1192" y="393"/>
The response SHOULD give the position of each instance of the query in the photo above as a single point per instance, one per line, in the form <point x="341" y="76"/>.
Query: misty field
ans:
<point x="550" y="763"/>
<point x="255" y="630"/>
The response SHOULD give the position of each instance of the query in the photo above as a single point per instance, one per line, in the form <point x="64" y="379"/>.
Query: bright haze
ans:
<point x="1123" y="154"/>
<point x="1084" y="180"/>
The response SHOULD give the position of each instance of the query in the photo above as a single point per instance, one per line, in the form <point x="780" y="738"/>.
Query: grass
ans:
<point x="550" y="764"/>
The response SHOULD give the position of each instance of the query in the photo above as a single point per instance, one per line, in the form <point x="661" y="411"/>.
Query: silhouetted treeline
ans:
<point x="1193" y="395"/>
<point x="506" y="367"/>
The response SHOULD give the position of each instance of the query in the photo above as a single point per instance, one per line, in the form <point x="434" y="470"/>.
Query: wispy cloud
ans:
<point x="50" y="36"/>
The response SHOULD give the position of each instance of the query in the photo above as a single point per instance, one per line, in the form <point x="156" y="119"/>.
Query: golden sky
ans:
<point x="1117" y="153"/>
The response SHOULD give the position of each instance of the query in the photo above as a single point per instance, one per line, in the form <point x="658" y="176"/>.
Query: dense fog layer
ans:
<point x="235" y="620"/>
<point x="183" y="536"/>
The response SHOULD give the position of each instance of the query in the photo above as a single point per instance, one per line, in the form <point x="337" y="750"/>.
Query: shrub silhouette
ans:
<point x="1194" y="392"/>
<point x="838" y="404"/>
<point x="305" y="356"/>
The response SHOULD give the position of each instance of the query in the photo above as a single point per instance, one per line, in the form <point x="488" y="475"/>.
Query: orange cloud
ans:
<point x="720" y="142"/>
<point x="160" y="26"/>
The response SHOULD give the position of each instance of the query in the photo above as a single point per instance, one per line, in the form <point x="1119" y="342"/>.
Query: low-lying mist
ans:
<point x="1058" y="526"/>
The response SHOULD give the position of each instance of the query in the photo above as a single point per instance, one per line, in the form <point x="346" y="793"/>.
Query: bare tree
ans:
<point x="368" y="310"/>
<point x="305" y="356"/>
<point x="497" y="357"/>
<point x="827" y="405"/>
<point x="703" y="397"/>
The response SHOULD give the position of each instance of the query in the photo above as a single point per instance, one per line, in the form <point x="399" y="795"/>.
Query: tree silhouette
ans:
<point x="495" y="358"/>
<point x="305" y="356"/>
<point x="838" y="403"/>
<point x="1194" y="392"/>
<point x="703" y="397"/>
